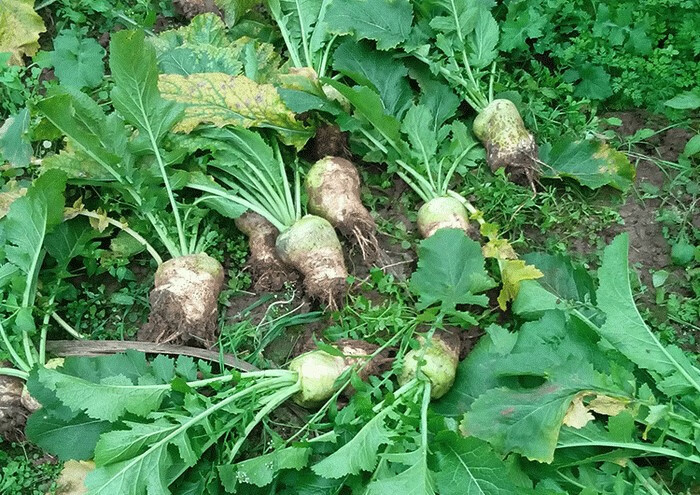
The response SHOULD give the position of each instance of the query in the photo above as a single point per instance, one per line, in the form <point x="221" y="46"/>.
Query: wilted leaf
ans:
<point x="260" y="470"/>
<point x="222" y="100"/>
<point x="71" y="481"/>
<point x="578" y="414"/>
<point x="20" y="27"/>
<point x="512" y="273"/>
<point x="7" y="197"/>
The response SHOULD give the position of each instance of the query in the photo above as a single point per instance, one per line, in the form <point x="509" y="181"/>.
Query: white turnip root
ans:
<point x="333" y="189"/>
<point x="268" y="271"/>
<point x="444" y="212"/>
<point x="440" y="358"/>
<point x="184" y="301"/>
<point x="319" y="370"/>
<point x="507" y="141"/>
<point x="312" y="247"/>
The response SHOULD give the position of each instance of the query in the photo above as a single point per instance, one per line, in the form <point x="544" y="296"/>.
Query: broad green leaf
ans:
<point x="416" y="480"/>
<point x="14" y="142"/>
<point x="121" y="445"/>
<point x="626" y="330"/>
<point x="594" y="82"/>
<point x="261" y="470"/>
<point x="20" y="27"/>
<point x="78" y="62"/>
<point x="201" y="46"/>
<point x="526" y="421"/>
<point x="74" y="438"/>
<point x="102" y="138"/>
<point x="108" y="400"/>
<point x="360" y="453"/>
<point x="379" y="70"/>
<point x="388" y="22"/>
<point x="223" y="100"/>
<point x="69" y="240"/>
<point x="483" y="40"/>
<point x="135" y="95"/>
<point x="27" y="222"/>
<point x="468" y="466"/>
<point x="685" y="101"/>
<point x="369" y="105"/>
<point x="423" y="138"/>
<point x="692" y="147"/>
<point x="592" y="163"/>
<point x="450" y="271"/>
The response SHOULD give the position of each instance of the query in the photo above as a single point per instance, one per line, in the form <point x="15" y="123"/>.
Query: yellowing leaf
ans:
<point x="499" y="249"/>
<point x="610" y="406"/>
<point x="8" y="197"/>
<point x="578" y="415"/>
<point x="100" y="223"/>
<point x="72" y="478"/>
<point x="221" y="100"/>
<point x="19" y="29"/>
<point x="70" y="212"/>
<point x="512" y="273"/>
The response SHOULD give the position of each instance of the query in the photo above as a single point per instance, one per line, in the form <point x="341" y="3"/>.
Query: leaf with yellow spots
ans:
<point x="592" y="163"/>
<point x="512" y="273"/>
<point x="20" y="27"/>
<point x="221" y="100"/>
<point x="499" y="249"/>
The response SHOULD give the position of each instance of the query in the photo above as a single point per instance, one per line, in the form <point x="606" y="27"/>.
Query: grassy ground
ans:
<point x="661" y="212"/>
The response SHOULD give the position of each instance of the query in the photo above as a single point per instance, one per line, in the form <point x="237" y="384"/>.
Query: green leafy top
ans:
<point x="450" y="271"/>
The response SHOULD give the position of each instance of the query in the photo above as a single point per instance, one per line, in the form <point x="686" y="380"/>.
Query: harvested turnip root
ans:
<point x="312" y="247"/>
<point x="333" y="188"/>
<point x="184" y="301"/>
<point x="13" y="415"/>
<point x="319" y="370"/>
<point x="508" y="143"/>
<point x="440" y="359"/>
<point x="268" y="271"/>
<point x="444" y="212"/>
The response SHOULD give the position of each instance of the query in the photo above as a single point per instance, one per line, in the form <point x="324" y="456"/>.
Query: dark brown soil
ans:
<point x="328" y="141"/>
<point x="12" y="415"/>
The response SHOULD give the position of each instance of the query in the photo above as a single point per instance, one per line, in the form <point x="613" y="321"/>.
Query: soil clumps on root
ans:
<point x="312" y="247"/>
<point x="268" y="271"/>
<point x="328" y="141"/>
<point x="13" y="416"/>
<point x="333" y="189"/>
<point x="184" y="302"/>
<point x="507" y="141"/>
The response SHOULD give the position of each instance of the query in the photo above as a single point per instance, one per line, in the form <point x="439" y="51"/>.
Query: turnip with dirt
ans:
<point x="252" y="175"/>
<point x="508" y="143"/>
<point x="333" y="188"/>
<point x="268" y="271"/>
<point x="187" y="286"/>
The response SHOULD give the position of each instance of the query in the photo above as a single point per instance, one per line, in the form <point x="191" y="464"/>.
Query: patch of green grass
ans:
<point x="25" y="470"/>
